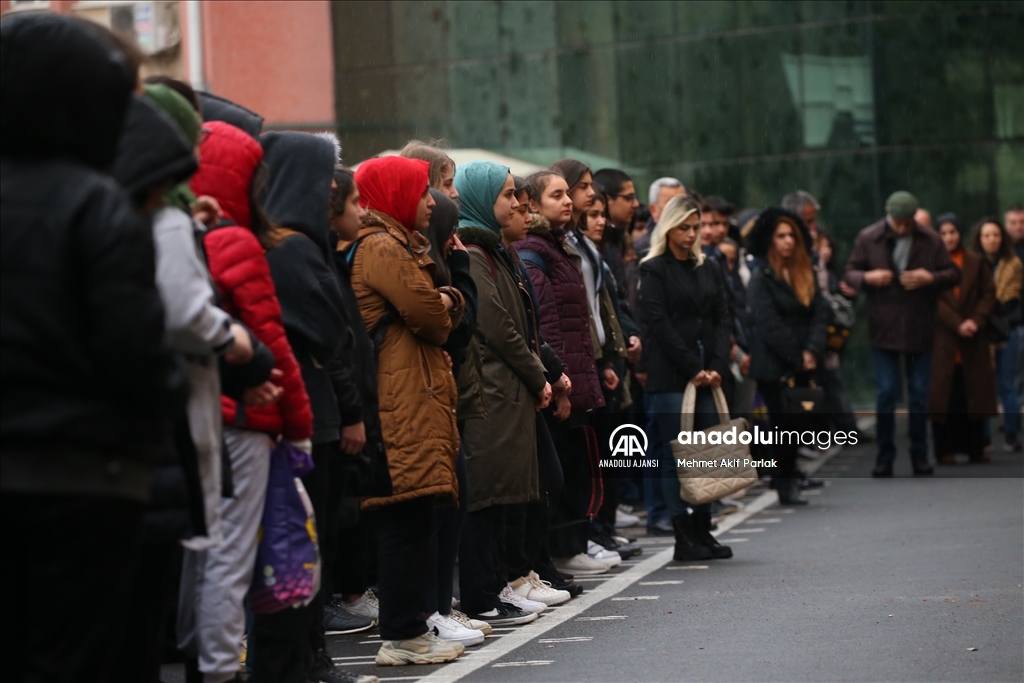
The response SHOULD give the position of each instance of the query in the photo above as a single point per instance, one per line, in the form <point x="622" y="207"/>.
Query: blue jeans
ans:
<point x="664" y="410"/>
<point x="889" y="377"/>
<point x="1007" y="372"/>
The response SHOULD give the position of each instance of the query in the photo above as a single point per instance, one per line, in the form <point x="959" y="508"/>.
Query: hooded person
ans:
<point x="301" y="169"/>
<point x="502" y="448"/>
<point x="211" y="617"/>
<point x="88" y="381"/>
<point x="216" y="108"/>
<point x="392" y="278"/>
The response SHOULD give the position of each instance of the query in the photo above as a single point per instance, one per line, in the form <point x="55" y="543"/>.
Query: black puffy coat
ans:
<point x="87" y="384"/>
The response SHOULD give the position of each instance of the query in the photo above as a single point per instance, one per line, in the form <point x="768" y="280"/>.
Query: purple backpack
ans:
<point x="288" y="557"/>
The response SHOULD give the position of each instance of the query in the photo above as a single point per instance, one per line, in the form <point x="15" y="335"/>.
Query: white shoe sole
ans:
<point x="402" y="657"/>
<point x="467" y="642"/>
<point x="553" y="600"/>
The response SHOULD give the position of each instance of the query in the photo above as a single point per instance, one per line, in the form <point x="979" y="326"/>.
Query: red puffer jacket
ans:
<point x="240" y="272"/>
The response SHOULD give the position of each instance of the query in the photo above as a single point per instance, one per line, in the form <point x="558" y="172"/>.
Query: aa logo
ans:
<point x="628" y="440"/>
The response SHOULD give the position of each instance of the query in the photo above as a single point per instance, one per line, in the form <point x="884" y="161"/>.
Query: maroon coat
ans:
<point x="976" y="300"/>
<point x="564" y="314"/>
<point x="900" y="319"/>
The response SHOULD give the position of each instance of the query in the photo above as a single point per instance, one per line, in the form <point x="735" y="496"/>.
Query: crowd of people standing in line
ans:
<point x="451" y="347"/>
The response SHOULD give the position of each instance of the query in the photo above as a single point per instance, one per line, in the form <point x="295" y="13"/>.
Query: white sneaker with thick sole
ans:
<point x="425" y="649"/>
<point x="473" y="624"/>
<point x="598" y="552"/>
<point x="532" y="587"/>
<point x="624" y="520"/>
<point x="513" y="598"/>
<point x="366" y="605"/>
<point x="581" y="565"/>
<point x="447" y="628"/>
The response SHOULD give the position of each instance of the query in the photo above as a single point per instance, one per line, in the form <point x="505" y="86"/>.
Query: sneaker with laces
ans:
<point x="532" y="587"/>
<point x="512" y="598"/>
<point x="602" y="554"/>
<point x="446" y="628"/>
<point x="339" y="621"/>
<point x="505" y="614"/>
<point x="424" y="649"/>
<point x="582" y="565"/>
<point x="366" y="606"/>
<point x="473" y="624"/>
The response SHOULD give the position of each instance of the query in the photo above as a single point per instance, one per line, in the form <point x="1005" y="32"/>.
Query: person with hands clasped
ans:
<point x="689" y="327"/>
<point x="788" y="326"/>
<point x="963" y="390"/>
<point x="903" y="268"/>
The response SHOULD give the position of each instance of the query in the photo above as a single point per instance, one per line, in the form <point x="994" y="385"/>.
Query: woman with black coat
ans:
<point x="788" y="325"/>
<point x="688" y="328"/>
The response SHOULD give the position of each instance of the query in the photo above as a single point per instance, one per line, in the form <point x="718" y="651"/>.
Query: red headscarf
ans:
<point x="393" y="186"/>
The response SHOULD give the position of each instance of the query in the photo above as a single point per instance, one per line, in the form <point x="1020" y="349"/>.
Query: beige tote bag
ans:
<point x="714" y="459"/>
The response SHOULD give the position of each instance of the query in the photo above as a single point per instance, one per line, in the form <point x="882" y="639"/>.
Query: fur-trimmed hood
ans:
<point x="760" y="237"/>
<point x="481" y="237"/>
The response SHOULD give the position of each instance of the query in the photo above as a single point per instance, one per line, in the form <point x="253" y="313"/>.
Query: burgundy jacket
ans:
<point x="564" y="314"/>
<point x="900" y="319"/>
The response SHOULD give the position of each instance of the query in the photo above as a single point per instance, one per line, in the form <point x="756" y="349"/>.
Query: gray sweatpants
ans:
<point x="214" y="582"/>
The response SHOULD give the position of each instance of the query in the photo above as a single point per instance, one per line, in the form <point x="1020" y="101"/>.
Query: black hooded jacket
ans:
<point x="217" y="108"/>
<point x="152" y="151"/>
<point x="87" y="384"/>
<point x="301" y="167"/>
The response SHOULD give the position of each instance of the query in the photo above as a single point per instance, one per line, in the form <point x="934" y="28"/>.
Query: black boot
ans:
<point x="688" y="546"/>
<point x="789" y="492"/>
<point x="702" y="528"/>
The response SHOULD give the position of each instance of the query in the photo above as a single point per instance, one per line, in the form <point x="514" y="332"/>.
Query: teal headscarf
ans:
<point x="479" y="183"/>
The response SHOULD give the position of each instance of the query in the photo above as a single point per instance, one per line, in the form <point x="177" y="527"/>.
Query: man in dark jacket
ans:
<point x="87" y="382"/>
<point x="903" y="266"/>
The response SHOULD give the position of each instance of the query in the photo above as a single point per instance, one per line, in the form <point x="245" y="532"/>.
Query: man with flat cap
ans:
<point x="902" y="266"/>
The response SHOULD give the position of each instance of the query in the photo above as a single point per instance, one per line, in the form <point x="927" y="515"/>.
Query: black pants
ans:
<point x="444" y="547"/>
<point x="62" y="553"/>
<point x="479" y="559"/>
<point x="282" y="645"/>
<point x="958" y="432"/>
<point x="784" y="453"/>
<point x="569" y="524"/>
<point x="403" y="545"/>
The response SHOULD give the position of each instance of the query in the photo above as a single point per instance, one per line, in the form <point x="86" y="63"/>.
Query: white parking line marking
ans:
<point x="770" y="520"/>
<point x="736" y="540"/>
<point x="660" y="583"/>
<point x="536" y="662"/>
<point x="748" y="530"/>
<point x="599" y="593"/>
<point x="636" y="597"/>
<point x="347" y="659"/>
<point x="572" y="639"/>
<point x="688" y="566"/>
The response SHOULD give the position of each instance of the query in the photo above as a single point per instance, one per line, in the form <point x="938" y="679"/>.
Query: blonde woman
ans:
<point x="688" y="323"/>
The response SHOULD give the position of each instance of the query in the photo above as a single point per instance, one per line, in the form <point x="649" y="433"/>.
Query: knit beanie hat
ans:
<point x="178" y="108"/>
<point x="901" y="205"/>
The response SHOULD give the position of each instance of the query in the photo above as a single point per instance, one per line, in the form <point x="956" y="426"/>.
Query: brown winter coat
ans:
<point x="501" y="450"/>
<point x="976" y="301"/>
<point x="417" y="393"/>
<point x="900" y="319"/>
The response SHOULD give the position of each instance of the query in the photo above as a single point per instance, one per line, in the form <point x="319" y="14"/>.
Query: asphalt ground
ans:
<point x="876" y="580"/>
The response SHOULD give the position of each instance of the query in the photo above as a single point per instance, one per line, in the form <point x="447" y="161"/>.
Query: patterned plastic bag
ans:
<point x="288" y="558"/>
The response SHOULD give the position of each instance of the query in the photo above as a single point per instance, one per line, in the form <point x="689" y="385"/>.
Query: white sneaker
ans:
<point x="581" y="565"/>
<point x="624" y="520"/>
<point x="532" y="587"/>
<point x="446" y="628"/>
<point x="366" y="606"/>
<point x="473" y="624"/>
<point x="602" y="554"/>
<point x="512" y="598"/>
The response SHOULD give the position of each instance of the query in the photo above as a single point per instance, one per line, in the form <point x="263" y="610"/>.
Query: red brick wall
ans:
<point x="274" y="57"/>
